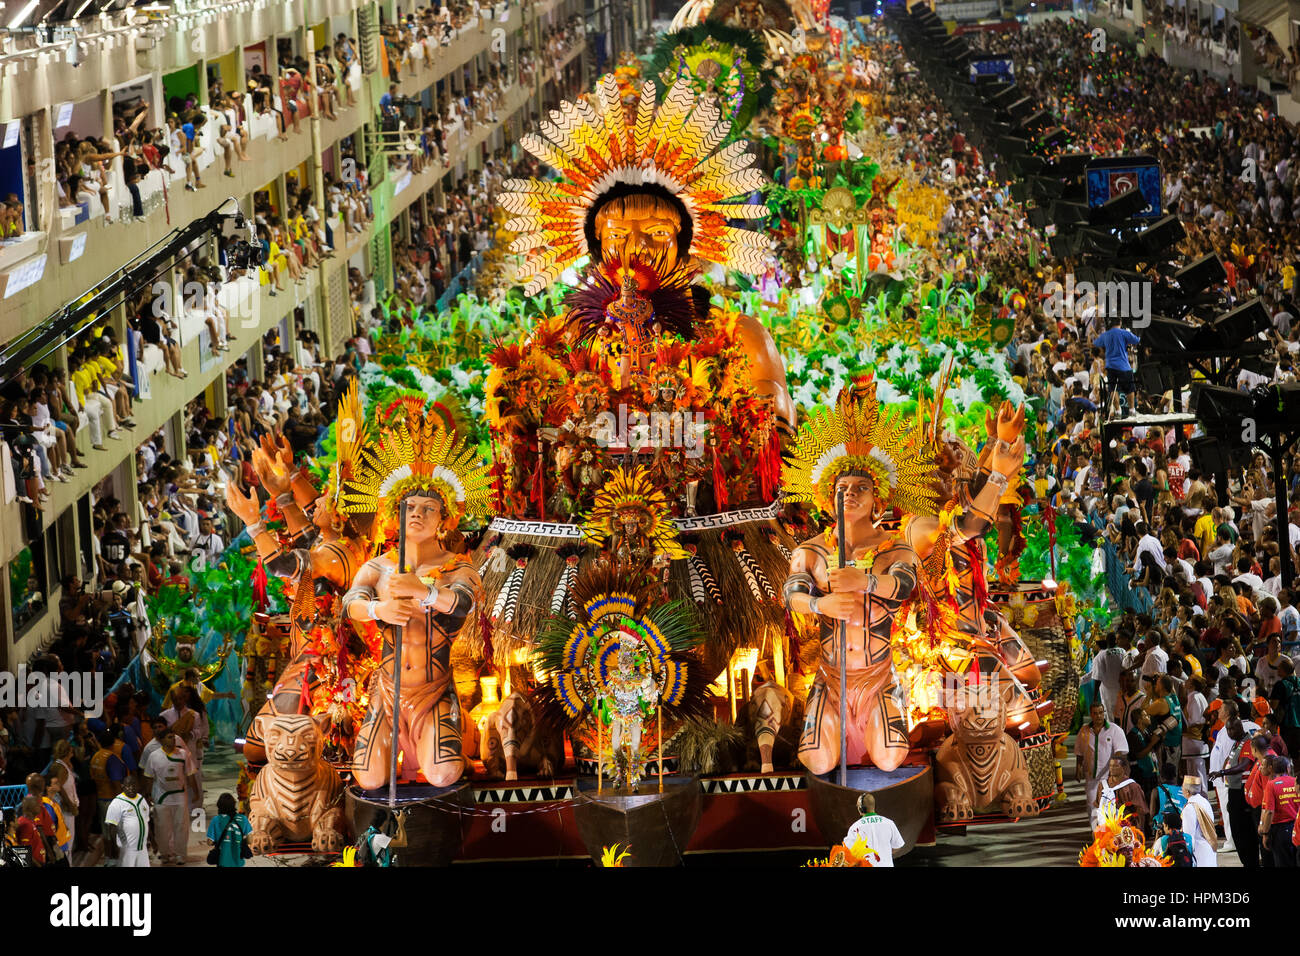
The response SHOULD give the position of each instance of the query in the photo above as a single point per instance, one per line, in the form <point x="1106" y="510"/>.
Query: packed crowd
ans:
<point x="446" y="245"/>
<point x="418" y="38"/>
<point x="1194" y="684"/>
<point x="430" y="136"/>
<point x="86" y="773"/>
<point x="86" y="168"/>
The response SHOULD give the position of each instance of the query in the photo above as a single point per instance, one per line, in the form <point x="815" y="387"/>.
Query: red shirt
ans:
<point x="29" y="835"/>
<point x="1254" y="786"/>
<point x="1282" y="797"/>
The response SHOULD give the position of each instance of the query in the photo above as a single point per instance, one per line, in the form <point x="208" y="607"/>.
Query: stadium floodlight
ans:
<point x="21" y="17"/>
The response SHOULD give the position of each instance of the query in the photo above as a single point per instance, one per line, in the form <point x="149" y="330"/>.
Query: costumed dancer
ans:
<point x="318" y="561"/>
<point x="428" y="473"/>
<point x="876" y="464"/>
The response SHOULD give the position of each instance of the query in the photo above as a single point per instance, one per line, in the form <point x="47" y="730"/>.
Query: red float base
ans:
<point x="741" y="813"/>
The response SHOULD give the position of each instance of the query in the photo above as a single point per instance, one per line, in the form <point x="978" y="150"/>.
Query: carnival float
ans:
<point x="700" y="518"/>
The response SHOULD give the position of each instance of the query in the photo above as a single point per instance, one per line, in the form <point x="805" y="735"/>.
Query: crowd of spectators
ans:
<point x="1199" y="658"/>
<point x="446" y="245"/>
<point x="430" y="136"/>
<point x="418" y="38"/>
<point x="76" y="764"/>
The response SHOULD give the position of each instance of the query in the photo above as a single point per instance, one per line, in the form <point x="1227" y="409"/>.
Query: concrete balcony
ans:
<point x="109" y="53"/>
<point x="108" y="247"/>
<point x="253" y="311"/>
<point x="80" y="253"/>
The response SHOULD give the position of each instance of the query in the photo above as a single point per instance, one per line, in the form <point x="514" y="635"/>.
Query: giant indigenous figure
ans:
<point x="422" y="475"/>
<point x="953" y="556"/>
<point x="877" y="463"/>
<point x="647" y="190"/>
<point x="649" y="196"/>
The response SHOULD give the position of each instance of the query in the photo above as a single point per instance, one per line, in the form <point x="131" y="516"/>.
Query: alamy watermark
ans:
<point x="79" y="690"/>
<point x="1124" y="300"/>
<point x="657" y="429"/>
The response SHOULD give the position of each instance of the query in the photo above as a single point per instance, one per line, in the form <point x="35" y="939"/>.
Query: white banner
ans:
<point x="964" y="10"/>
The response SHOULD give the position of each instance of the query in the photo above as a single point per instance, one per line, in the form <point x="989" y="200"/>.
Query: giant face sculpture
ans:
<point x="647" y="227"/>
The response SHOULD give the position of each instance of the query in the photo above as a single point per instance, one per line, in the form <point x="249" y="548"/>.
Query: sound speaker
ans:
<point x="1209" y="455"/>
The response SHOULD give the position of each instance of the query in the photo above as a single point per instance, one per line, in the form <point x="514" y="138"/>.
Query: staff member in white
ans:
<point x="878" y="834"/>
<point x="1093" y="748"/>
<point x="207" y="546"/>
<point x="160" y="725"/>
<point x="1107" y="670"/>
<point x="1198" y="823"/>
<point x="1196" y="729"/>
<point x="126" y="826"/>
<point x="173" y="785"/>
<point x="1223" y="745"/>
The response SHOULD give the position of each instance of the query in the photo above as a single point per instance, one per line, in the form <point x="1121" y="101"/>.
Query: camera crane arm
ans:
<point x="227" y="222"/>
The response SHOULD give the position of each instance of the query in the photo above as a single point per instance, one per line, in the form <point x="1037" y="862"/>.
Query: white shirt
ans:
<point x="1266" y="674"/>
<point x="1106" y="669"/>
<point x="1200" y="847"/>
<point x="1150" y="544"/>
<point x="211" y="545"/>
<point x="1194" y="713"/>
<point x="1223" y="745"/>
<point x="1096" y="753"/>
<point x="879" y="834"/>
<point x="1156" y="662"/>
<point x="168" y="772"/>
<point x="156" y="744"/>
<point x="131" y="817"/>
<point x="1254" y="582"/>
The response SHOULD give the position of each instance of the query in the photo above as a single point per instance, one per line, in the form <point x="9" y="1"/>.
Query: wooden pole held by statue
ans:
<point x="661" y="748"/>
<point x="844" y="650"/>
<point x="397" y="665"/>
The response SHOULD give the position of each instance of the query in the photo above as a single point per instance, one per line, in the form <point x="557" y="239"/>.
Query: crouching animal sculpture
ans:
<point x="297" y="796"/>
<point x="513" y="738"/>
<point x="979" y="767"/>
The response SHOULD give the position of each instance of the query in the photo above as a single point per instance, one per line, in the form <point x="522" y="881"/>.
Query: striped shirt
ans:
<point x="131" y="817"/>
<point x="168" y="772"/>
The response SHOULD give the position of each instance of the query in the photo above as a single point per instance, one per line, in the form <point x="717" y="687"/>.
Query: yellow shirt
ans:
<point x="205" y="693"/>
<point x="85" y="381"/>
<point x="1204" y="531"/>
<point x="1288" y="277"/>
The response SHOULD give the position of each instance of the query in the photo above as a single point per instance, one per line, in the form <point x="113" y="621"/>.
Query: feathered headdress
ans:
<point x="631" y="489"/>
<point x="398" y="405"/>
<point x="615" y="612"/>
<point x="601" y="154"/>
<point x="854" y="437"/>
<point x="418" y="455"/>
<point x="350" y="433"/>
